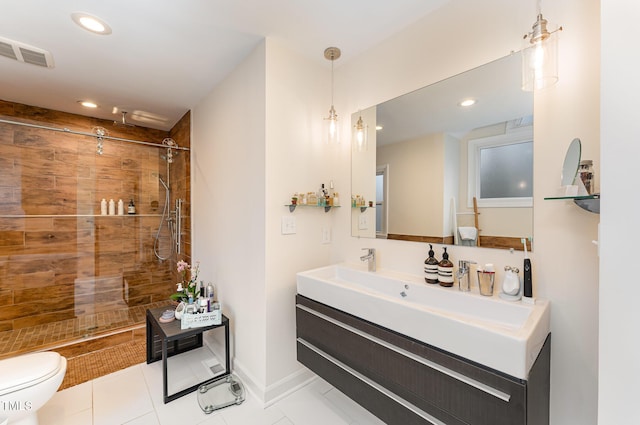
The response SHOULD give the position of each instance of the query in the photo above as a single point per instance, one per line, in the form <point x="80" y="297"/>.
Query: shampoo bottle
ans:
<point x="445" y="270"/>
<point x="103" y="207"/>
<point x="431" y="267"/>
<point x="112" y="207"/>
<point x="120" y="207"/>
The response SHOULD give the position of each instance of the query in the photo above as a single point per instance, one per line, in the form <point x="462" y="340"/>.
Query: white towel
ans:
<point x="468" y="233"/>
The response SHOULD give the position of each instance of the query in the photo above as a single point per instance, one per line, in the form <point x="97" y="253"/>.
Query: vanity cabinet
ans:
<point x="404" y="381"/>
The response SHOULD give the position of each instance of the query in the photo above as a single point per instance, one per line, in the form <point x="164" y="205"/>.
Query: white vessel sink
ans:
<point x="506" y="336"/>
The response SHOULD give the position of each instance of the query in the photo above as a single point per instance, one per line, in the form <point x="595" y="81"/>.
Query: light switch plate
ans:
<point x="288" y="225"/>
<point x="326" y="235"/>
<point x="363" y="222"/>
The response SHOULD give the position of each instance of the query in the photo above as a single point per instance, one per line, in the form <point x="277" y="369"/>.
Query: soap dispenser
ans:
<point x="431" y="267"/>
<point x="445" y="270"/>
<point x="511" y="289"/>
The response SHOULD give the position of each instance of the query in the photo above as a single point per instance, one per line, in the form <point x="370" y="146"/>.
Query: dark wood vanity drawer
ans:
<point x="375" y="401"/>
<point x="448" y="387"/>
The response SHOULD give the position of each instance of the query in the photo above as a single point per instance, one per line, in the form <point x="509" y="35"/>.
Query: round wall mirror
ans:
<point x="571" y="163"/>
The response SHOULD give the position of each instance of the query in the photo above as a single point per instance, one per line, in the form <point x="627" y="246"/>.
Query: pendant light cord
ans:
<point x="332" y="80"/>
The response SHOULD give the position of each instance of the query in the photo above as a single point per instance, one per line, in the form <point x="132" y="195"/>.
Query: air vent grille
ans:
<point x="525" y="121"/>
<point x="7" y="50"/>
<point x="25" y="53"/>
<point x="34" y="58"/>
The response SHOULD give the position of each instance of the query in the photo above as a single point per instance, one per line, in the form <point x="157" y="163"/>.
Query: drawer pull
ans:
<point x="453" y="374"/>
<point x="407" y="405"/>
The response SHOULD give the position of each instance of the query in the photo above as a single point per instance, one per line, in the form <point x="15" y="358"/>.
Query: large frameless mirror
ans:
<point x="449" y="163"/>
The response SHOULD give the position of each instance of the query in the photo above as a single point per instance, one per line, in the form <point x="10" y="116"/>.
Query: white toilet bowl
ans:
<point x="27" y="382"/>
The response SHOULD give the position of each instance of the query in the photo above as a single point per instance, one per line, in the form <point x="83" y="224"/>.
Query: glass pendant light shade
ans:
<point x="332" y="135"/>
<point x="360" y="136"/>
<point x="540" y="57"/>
<point x="331" y="128"/>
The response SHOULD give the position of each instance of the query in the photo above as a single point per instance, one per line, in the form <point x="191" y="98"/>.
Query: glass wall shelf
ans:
<point x="292" y="207"/>
<point x="589" y="203"/>
<point x="363" y="208"/>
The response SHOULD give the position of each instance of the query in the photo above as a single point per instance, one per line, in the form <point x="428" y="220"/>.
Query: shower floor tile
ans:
<point x="82" y="328"/>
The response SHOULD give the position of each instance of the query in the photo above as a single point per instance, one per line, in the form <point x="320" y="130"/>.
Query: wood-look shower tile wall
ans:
<point x="65" y="265"/>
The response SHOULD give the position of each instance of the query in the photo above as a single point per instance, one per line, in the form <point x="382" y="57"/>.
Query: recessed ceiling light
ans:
<point x="91" y="23"/>
<point x="378" y="127"/>
<point x="87" y="104"/>
<point x="467" y="102"/>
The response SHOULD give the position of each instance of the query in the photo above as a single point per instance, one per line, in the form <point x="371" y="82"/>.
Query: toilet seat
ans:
<point x="27" y="370"/>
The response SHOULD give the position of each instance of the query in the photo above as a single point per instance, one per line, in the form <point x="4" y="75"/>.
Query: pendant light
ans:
<point x="360" y="135"/>
<point x="332" y="133"/>
<point x="540" y="55"/>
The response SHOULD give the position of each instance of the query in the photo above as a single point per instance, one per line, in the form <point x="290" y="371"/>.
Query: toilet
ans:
<point x="27" y="382"/>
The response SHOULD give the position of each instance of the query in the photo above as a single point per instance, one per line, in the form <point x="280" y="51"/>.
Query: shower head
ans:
<point x="124" y="121"/>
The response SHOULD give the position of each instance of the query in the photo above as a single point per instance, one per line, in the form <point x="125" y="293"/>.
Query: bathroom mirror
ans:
<point x="571" y="162"/>
<point x="426" y="161"/>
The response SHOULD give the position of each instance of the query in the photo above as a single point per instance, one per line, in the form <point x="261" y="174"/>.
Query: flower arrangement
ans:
<point x="188" y="285"/>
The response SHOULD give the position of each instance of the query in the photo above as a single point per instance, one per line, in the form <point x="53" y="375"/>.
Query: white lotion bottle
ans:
<point x="112" y="207"/>
<point x="120" y="207"/>
<point x="103" y="207"/>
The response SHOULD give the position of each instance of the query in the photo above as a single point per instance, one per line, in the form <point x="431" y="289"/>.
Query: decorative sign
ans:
<point x="201" y="320"/>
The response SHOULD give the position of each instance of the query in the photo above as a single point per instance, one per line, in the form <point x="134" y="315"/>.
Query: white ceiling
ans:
<point x="165" y="55"/>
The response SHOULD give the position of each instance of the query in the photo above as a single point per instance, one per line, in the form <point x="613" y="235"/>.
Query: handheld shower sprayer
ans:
<point x="163" y="183"/>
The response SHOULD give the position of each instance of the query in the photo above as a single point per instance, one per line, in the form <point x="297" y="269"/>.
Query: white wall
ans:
<point x="297" y="98"/>
<point x="451" y="181"/>
<point x="619" y="290"/>
<point x="464" y="34"/>
<point x="228" y="205"/>
<point x="416" y="185"/>
<point x="255" y="141"/>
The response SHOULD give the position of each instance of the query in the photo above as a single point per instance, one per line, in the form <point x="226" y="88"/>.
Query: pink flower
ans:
<point x="182" y="266"/>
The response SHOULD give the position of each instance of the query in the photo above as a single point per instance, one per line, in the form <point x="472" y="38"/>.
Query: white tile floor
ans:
<point x="133" y="396"/>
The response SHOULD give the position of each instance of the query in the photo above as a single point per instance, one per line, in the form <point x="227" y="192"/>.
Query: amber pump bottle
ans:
<point x="445" y="270"/>
<point x="431" y="267"/>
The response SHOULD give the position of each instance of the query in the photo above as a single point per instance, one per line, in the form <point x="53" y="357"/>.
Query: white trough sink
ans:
<point x="506" y="336"/>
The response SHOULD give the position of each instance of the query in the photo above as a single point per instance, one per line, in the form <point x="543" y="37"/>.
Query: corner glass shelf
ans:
<point x="589" y="203"/>
<point x="327" y="208"/>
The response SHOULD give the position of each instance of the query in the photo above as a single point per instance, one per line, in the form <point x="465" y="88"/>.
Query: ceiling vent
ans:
<point x="525" y="121"/>
<point x="24" y="53"/>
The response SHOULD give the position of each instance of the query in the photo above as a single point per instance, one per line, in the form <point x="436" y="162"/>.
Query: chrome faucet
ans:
<point x="370" y="258"/>
<point x="464" y="275"/>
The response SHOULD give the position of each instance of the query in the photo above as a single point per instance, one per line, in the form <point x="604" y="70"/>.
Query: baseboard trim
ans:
<point x="275" y="392"/>
<point x="288" y="385"/>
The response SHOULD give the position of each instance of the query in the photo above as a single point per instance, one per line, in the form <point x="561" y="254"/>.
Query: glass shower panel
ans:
<point x="66" y="271"/>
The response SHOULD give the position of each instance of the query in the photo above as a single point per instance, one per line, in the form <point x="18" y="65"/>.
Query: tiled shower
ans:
<point x="67" y="273"/>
